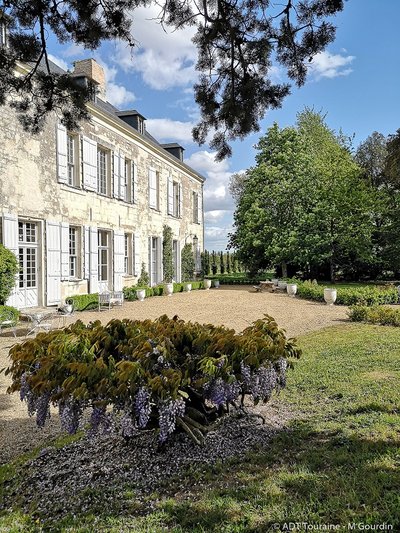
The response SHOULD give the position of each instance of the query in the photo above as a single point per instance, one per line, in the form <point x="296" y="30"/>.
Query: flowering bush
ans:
<point x="385" y="316"/>
<point x="149" y="374"/>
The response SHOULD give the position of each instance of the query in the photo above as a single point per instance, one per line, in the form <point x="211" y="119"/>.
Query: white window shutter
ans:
<point x="89" y="164"/>
<point x="152" y="188"/>
<point x="160" y="274"/>
<point x="10" y="241"/>
<point x="170" y="194"/>
<point x="150" y="268"/>
<point x="136" y="251"/>
<point x="116" y="175"/>
<point x="134" y="178"/>
<point x="93" y="261"/>
<point x="65" y="250"/>
<point x="86" y="246"/>
<point x="180" y="208"/>
<point x="199" y="208"/>
<point x="122" y="184"/>
<point x="53" y="262"/>
<point x="119" y="254"/>
<point x="178" y="263"/>
<point x="62" y="174"/>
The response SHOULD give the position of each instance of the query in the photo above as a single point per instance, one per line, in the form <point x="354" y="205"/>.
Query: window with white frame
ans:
<point x="102" y="171"/>
<point x="127" y="186"/>
<point x="72" y="160"/>
<point x="176" y="199"/>
<point x="74" y="245"/>
<point x="129" y="254"/>
<point x="195" y="203"/>
<point x="104" y="254"/>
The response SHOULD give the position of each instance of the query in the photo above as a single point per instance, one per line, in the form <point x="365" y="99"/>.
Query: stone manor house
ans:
<point x="82" y="210"/>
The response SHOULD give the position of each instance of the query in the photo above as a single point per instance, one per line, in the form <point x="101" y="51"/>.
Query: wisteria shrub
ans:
<point x="163" y="374"/>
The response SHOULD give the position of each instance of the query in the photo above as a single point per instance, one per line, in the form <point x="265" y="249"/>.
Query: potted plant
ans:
<point x="216" y="283"/>
<point x="141" y="294"/>
<point x="275" y="281"/>
<point x="207" y="284"/>
<point x="187" y="286"/>
<point x="291" y="289"/>
<point x="282" y="285"/>
<point x="330" y="296"/>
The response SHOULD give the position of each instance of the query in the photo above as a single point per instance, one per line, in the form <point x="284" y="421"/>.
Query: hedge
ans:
<point x="8" y="309"/>
<point x="83" y="302"/>
<point x="384" y="316"/>
<point x="158" y="290"/>
<point x="156" y="374"/>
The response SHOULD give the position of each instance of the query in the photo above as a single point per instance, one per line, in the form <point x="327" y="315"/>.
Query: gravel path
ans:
<point x="235" y="307"/>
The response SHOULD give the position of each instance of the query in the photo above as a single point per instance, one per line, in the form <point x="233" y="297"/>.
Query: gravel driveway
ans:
<point x="235" y="307"/>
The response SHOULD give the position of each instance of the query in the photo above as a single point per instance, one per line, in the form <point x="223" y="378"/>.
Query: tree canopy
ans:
<point x="304" y="204"/>
<point x="238" y="43"/>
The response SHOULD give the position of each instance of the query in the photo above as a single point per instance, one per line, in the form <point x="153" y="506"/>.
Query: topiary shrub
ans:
<point x="9" y="268"/>
<point x="6" y="309"/>
<point x="187" y="263"/>
<point x="149" y="374"/>
<point x="168" y="262"/>
<point x="84" y="302"/>
<point x="144" y="278"/>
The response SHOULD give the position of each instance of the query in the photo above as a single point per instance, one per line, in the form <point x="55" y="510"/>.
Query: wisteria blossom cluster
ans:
<point x="164" y="374"/>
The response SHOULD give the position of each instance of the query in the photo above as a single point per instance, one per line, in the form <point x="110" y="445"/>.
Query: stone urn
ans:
<point x="216" y="283"/>
<point x="291" y="289"/>
<point x="141" y="294"/>
<point x="169" y="289"/>
<point x="187" y="287"/>
<point x="207" y="284"/>
<point x="282" y="285"/>
<point x="330" y="296"/>
<point x="275" y="281"/>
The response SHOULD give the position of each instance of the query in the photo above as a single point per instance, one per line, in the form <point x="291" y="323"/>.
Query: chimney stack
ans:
<point x="90" y="69"/>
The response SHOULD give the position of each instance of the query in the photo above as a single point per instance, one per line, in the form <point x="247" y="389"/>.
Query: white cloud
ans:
<point x="326" y="65"/>
<point x="58" y="61"/>
<point x="165" y="129"/>
<point x="165" y="58"/>
<point x="75" y="50"/>
<point x="215" y="215"/>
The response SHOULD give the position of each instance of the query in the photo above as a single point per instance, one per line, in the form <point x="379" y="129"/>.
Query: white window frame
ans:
<point x="104" y="247"/>
<point x="195" y="202"/>
<point x="154" y="198"/>
<point x="74" y="252"/>
<point x="128" y="254"/>
<point x="103" y="172"/>
<point x="73" y="159"/>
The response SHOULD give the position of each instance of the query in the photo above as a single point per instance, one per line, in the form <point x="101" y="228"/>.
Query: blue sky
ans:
<point x="355" y="82"/>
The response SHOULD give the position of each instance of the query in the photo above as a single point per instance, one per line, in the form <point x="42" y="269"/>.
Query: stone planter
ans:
<point x="187" y="287"/>
<point x="282" y="285"/>
<point x="275" y="282"/>
<point x="330" y="296"/>
<point x="169" y="289"/>
<point x="141" y="294"/>
<point x="216" y="283"/>
<point x="207" y="284"/>
<point x="291" y="289"/>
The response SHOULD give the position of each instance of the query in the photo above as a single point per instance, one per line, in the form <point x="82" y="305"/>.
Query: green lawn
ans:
<point x="339" y="463"/>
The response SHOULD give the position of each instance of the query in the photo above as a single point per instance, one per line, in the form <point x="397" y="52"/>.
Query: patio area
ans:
<point x="233" y="306"/>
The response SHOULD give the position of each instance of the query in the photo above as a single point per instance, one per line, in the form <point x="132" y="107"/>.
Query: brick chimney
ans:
<point x="90" y="69"/>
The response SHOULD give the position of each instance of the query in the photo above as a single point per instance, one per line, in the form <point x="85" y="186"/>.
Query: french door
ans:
<point x="28" y="254"/>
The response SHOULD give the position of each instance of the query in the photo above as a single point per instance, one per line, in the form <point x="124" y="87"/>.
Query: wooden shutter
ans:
<point x="170" y="194"/>
<point x="134" y="178"/>
<point x="10" y="241"/>
<point x="153" y="188"/>
<point x="89" y="164"/>
<point x="93" y="260"/>
<point x="86" y="247"/>
<point x="116" y="175"/>
<point x="119" y="254"/>
<point x="62" y="174"/>
<point x="53" y="263"/>
<point x="65" y="250"/>
<point x="122" y="183"/>
<point x="180" y="195"/>
<point x="136" y="252"/>
<point x="199" y="208"/>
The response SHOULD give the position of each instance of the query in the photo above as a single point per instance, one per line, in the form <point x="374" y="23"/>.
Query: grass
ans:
<point x="338" y="463"/>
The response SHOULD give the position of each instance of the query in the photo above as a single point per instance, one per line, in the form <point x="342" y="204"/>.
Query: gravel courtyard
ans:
<point x="234" y="307"/>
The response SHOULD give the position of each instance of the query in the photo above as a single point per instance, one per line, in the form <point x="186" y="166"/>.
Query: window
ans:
<point x="72" y="168"/>
<point x="176" y="198"/>
<point x="104" y="254"/>
<point x="128" y="185"/>
<point x="128" y="255"/>
<point x="73" y="252"/>
<point x="3" y="33"/>
<point x="28" y="255"/>
<point x="102" y="171"/>
<point x="154" y="192"/>
<point x="195" y="203"/>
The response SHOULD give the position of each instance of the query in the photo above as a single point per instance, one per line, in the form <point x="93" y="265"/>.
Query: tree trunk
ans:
<point x="284" y="269"/>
